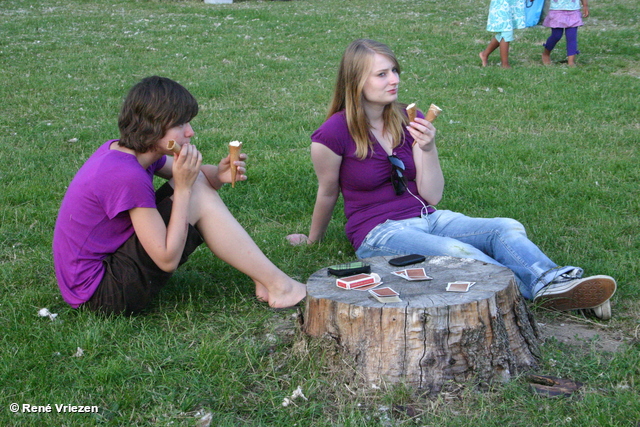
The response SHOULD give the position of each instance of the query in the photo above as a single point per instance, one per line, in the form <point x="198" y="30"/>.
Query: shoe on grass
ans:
<point x="602" y="312"/>
<point x="570" y="293"/>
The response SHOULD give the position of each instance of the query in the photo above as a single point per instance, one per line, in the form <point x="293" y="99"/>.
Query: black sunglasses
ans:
<point x="398" y="179"/>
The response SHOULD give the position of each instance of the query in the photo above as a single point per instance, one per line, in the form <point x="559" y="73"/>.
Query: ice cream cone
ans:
<point x="433" y="113"/>
<point x="411" y="112"/>
<point x="235" y="147"/>
<point x="171" y="145"/>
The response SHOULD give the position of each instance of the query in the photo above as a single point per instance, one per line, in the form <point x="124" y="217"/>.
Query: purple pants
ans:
<point x="571" y="35"/>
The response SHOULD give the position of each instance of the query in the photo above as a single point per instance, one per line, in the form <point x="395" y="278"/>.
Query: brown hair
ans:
<point x="153" y="106"/>
<point x="352" y="75"/>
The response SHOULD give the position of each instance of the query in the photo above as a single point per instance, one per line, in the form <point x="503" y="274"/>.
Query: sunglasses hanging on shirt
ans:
<point x="398" y="179"/>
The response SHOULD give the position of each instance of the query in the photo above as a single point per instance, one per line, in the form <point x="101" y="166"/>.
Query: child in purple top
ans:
<point x="93" y="221"/>
<point x="564" y="17"/>
<point x="388" y="171"/>
<point x="117" y="240"/>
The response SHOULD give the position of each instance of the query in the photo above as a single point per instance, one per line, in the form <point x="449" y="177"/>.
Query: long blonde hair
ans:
<point x="352" y="75"/>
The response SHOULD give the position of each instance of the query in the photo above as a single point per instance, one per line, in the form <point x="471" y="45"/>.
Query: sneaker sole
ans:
<point x="589" y="293"/>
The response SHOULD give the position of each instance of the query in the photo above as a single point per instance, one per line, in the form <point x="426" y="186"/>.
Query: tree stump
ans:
<point x="432" y="337"/>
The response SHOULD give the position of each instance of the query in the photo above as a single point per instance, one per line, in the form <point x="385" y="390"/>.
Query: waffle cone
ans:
<point x="411" y="112"/>
<point x="235" y="148"/>
<point x="433" y="113"/>
<point x="171" y="145"/>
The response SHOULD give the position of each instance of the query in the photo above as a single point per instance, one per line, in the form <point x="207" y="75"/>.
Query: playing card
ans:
<point x="368" y="287"/>
<point x="384" y="292"/>
<point x="459" y="286"/>
<point x="413" y="274"/>
<point x="417" y="274"/>
<point x="385" y="295"/>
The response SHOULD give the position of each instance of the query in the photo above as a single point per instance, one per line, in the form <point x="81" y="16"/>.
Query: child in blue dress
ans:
<point x="564" y="16"/>
<point x="504" y="17"/>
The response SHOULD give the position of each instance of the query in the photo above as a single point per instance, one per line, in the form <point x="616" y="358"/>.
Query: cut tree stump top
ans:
<point x="432" y="336"/>
<point x="489" y="279"/>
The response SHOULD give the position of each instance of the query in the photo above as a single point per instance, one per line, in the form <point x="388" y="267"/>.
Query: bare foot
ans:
<point x="506" y="66"/>
<point x="262" y="294"/>
<point x="571" y="60"/>
<point x="546" y="57"/>
<point x="297" y="239"/>
<point x="287" y="295"/>
<point x="483" y="58"/>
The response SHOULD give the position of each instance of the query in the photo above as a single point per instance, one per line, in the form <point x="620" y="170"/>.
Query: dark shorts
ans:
<point x="131" y="278"/>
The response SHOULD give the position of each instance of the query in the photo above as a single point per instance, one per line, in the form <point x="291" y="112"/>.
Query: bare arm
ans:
<point x="585" y="8"/>
<point x="166" y="171"/>
<point x="166" y="244"/>
<point x="327" y="166"/>
<point x="429" y="176"/>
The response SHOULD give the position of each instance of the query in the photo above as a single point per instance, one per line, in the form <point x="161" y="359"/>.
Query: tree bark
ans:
<point x="432" y="337"/>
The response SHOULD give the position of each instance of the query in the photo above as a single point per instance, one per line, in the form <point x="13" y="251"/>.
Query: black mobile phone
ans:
<point x="406" y="260"/>
<point x="349" y="269"/>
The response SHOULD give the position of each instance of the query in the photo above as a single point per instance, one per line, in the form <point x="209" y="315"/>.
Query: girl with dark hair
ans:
<point x="117" y="241"/>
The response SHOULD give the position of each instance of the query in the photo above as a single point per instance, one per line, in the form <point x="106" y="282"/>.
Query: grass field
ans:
<point x="554" y="147"/>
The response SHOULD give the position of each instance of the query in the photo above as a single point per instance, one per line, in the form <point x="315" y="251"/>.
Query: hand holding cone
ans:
<point x="235" y="147"/>
<point x="432" y="114"/>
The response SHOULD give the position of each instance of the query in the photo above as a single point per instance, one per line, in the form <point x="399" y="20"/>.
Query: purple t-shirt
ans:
<point x="94" y="221"/>
<point x="369" y="197"/>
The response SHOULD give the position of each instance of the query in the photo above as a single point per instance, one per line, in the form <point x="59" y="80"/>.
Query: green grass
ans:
<point x="554" y="147"/>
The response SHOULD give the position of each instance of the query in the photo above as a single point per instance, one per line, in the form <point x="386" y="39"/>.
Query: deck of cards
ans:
<point x="385" y="295"/>
<point x="413" y="274"/>
<point x="459" y="286"/>
<point x="360" y="281"/>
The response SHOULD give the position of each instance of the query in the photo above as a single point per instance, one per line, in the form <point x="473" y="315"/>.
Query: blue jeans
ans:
<point x="500" y="241"/>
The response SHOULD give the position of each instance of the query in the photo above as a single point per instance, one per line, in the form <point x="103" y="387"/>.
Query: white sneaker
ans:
<point x="603" y="311"/>
<point x="567" y="293"/>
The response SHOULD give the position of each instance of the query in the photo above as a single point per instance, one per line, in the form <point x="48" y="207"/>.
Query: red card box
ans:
<point x="357" y="281"/>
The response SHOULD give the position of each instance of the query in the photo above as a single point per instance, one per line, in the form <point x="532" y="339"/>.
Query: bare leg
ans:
<point x="571" y="59"/>
<point x="230" y="242"/>
<point x="484" y="55"/>
<point x="504" y="54"/>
